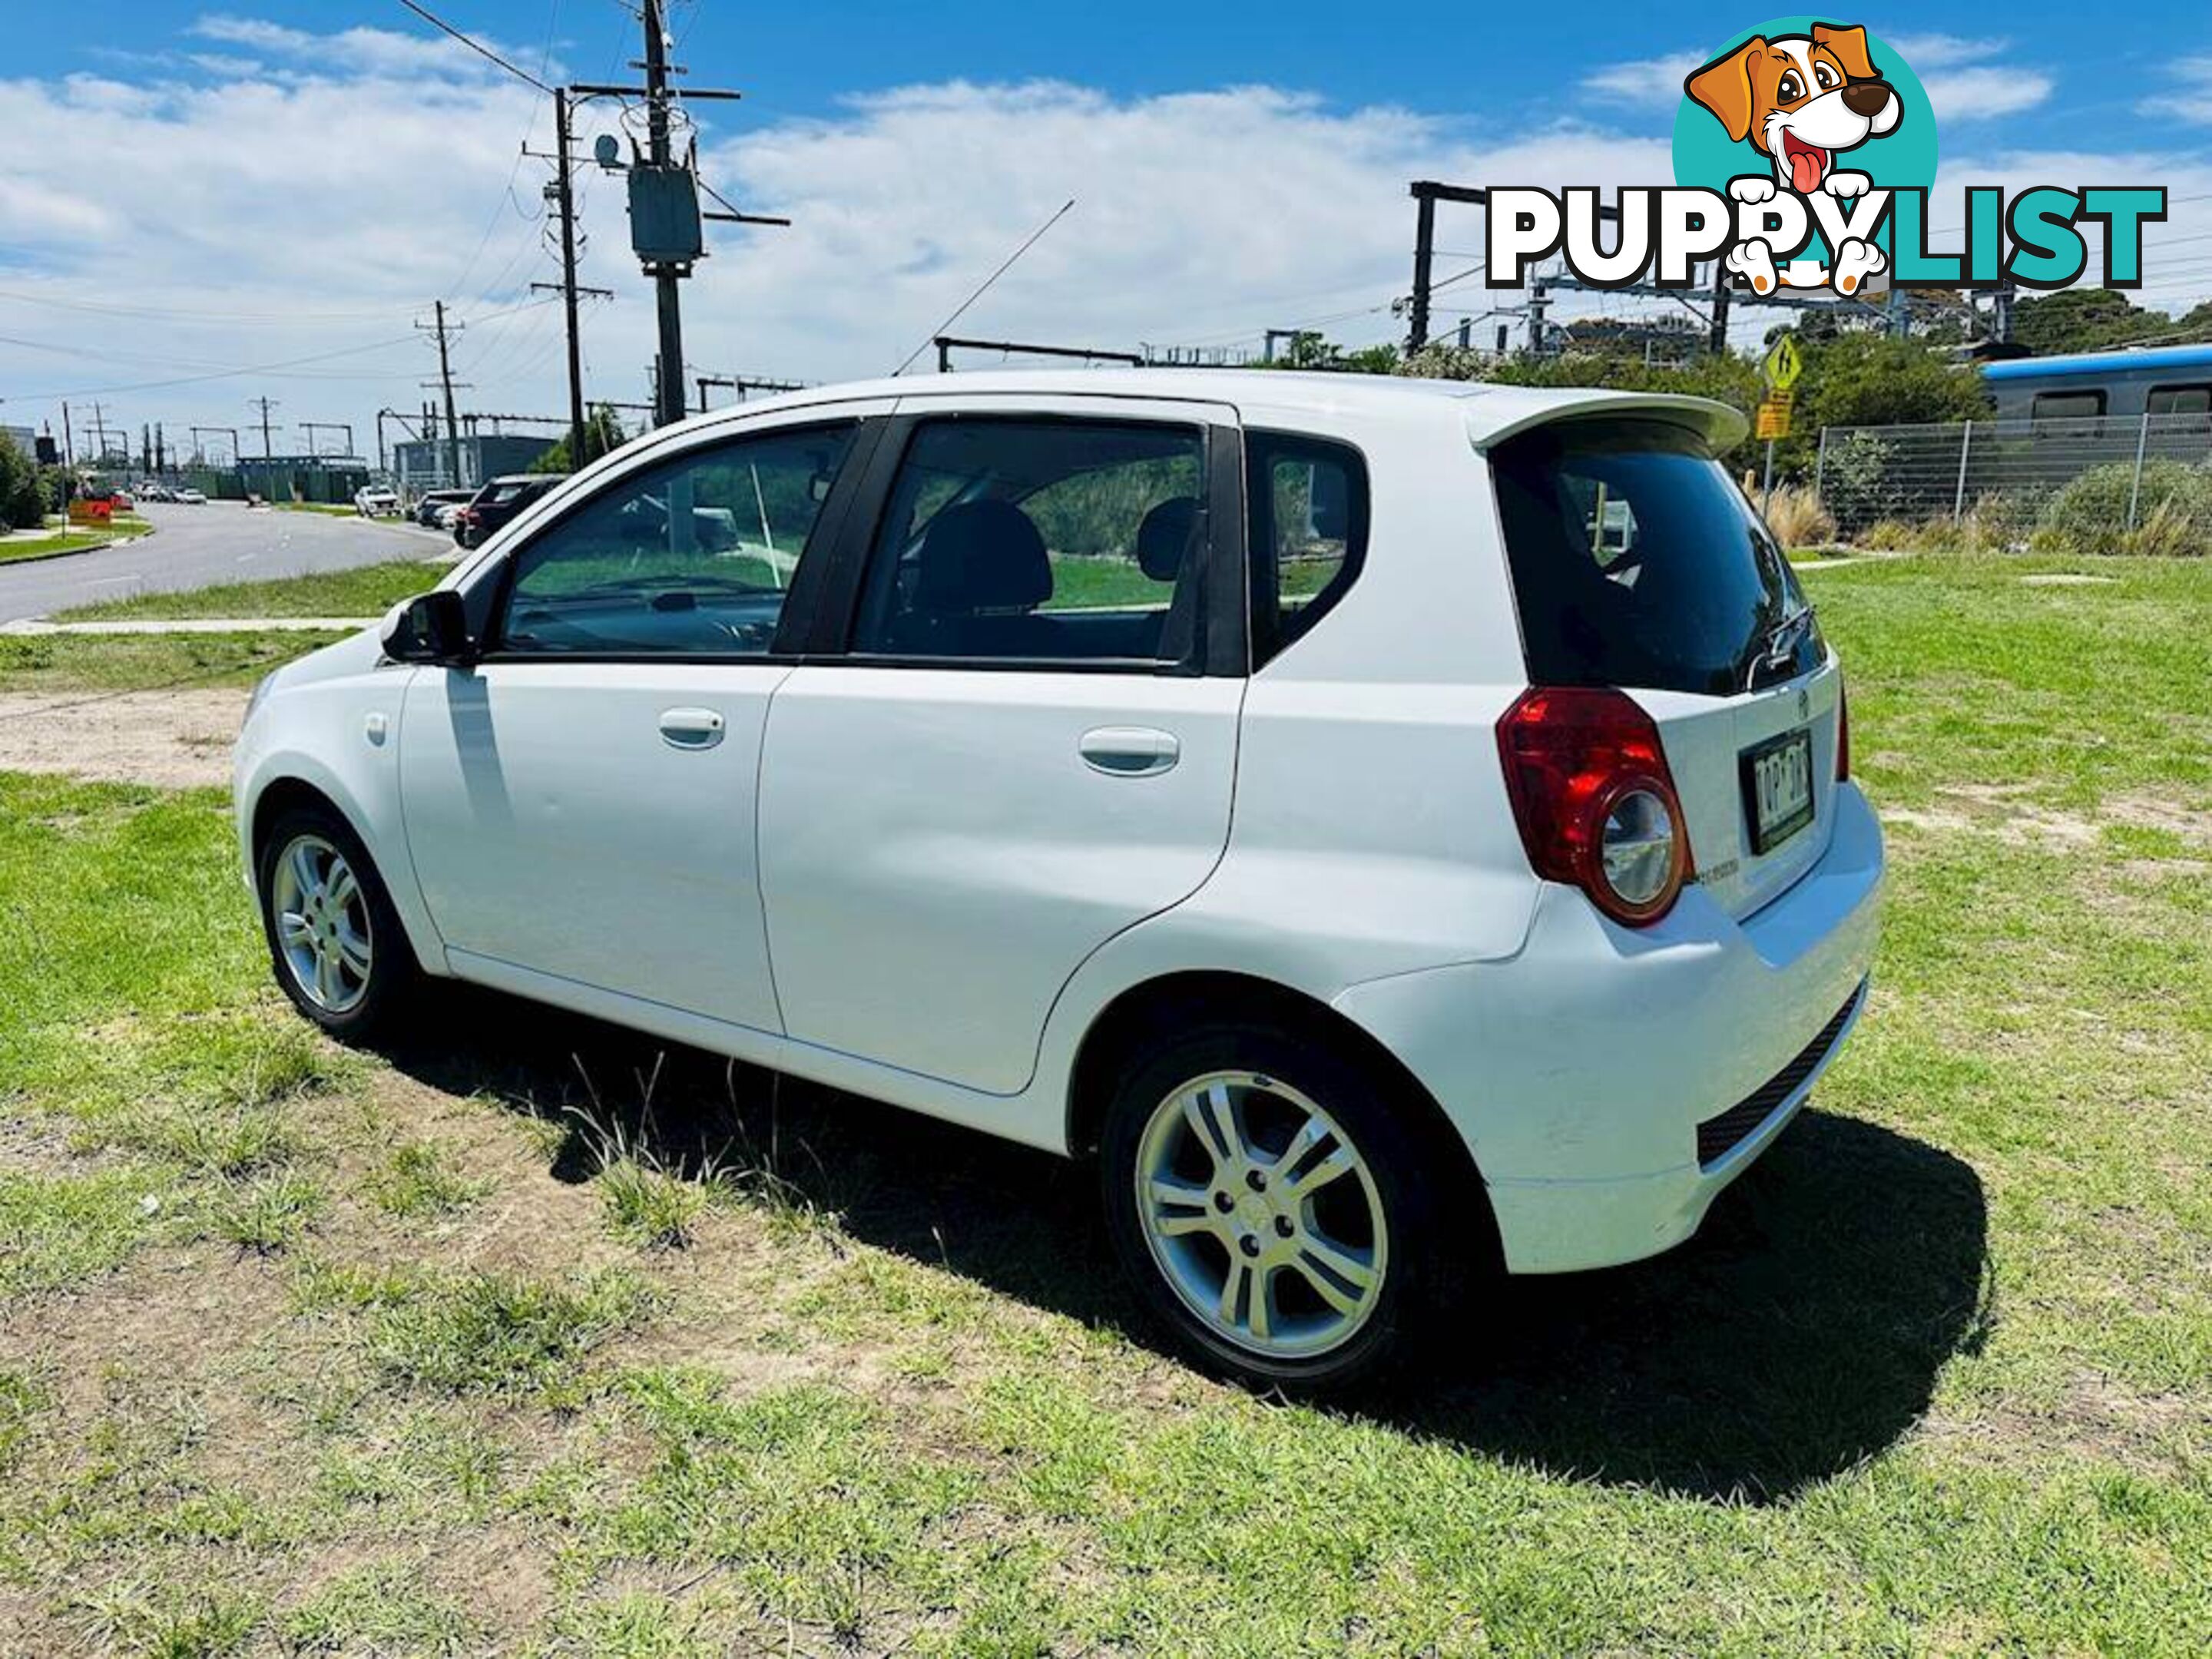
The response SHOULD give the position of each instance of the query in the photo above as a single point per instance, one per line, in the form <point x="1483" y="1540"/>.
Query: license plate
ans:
<point x="1777" y="788"/>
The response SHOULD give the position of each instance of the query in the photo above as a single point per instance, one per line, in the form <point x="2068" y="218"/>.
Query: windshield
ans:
<point x="1638" y="562"/>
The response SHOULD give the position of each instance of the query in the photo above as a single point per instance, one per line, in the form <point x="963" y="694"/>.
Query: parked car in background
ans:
<point x="189" y="497"/>
<point x="430" y="501"/>
<point x="376" y="502"/>
<point x="498" y="502"/>
<point x="448" y="516"/>
<point x="1398" y="832"/>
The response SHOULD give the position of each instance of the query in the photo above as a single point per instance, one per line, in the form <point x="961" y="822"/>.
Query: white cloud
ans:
<point x="325" y="209"/>
<point x="1654" y="82"/>
<point x="271" y="217"/>
<point x="363" y="50"/>
<point x="2191" y="98"/>
<point x="1983" y="93"/>
<point x="1924" y="52"/>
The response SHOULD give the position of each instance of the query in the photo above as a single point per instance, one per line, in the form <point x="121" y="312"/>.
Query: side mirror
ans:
<point x="428" y="627"/>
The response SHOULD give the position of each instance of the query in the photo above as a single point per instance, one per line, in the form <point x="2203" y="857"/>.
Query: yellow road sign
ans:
<point x="1784" y="364"/>
<point x="1773" y="417"/>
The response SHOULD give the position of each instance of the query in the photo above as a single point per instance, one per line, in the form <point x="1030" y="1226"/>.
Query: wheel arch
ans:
<point x="1158" y="1004"/>
<point x="287" y="789"/>
<point x="282" y="794"/>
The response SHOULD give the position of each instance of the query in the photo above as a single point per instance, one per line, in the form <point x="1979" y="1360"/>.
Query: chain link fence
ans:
<point x="2092" y="485"/>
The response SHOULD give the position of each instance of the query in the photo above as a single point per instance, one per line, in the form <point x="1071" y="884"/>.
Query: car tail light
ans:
<point x="1842" y="733"/>
<point x="1594" y="800"/>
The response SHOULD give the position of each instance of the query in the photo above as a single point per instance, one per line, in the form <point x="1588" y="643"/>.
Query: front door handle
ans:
<point x="691" y="729"/>
<point x="1129" y="751"/>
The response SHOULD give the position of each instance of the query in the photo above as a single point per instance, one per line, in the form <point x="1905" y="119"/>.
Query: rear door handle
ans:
<point x="691" y="729"/>
<point x="1129" y="751"/>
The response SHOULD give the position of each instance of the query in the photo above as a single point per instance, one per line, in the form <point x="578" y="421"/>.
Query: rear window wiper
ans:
<point x="1778" y="646"/>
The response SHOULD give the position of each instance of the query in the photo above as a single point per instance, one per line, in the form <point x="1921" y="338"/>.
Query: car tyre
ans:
<point x="1280" y="1211"/>
<point x="334" y="942"/>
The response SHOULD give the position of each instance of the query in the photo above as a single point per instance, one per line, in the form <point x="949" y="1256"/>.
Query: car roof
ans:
<point x="1491" y="411"/>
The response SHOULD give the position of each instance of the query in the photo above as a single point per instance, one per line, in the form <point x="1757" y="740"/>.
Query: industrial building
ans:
<point x="425" y="464"/>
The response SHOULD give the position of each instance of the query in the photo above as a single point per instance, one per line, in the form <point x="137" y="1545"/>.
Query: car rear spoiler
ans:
<point x="1720" y="427"/>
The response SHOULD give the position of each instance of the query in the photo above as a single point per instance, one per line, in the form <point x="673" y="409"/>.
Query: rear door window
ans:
<point x="1308" y="501"/>
<point x="1041" y="540"/>
<point x="1638" y="562"/>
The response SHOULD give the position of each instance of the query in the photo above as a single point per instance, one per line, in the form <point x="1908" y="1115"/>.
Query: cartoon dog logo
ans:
<point x="1800" y="99"/>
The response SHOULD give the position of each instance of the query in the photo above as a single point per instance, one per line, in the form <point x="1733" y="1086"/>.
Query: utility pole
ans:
<point x="68" y="443"/>
<point x="666" y="231"/>
<point x="670" y="392"/>
<point x="100" y="435"/>
<point x="1426" y="193"/>
<point x="268" y="444"/>
<point x="1717" y="336"/>
<point x="562" y="195"/>
<point x="446" y="379"/>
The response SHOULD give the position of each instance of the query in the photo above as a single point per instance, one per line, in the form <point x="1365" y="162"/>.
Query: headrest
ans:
<point x="982" y="555"/>
<point x="1164" y="537"/>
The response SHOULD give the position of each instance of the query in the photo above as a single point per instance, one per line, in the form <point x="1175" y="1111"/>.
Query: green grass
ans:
<point x="15" y="548"/>
<point x="420" y="1179"/>
<point x="399" y="1360"/>
<point x="46" y="663"/>
<point x="365" y="591"/>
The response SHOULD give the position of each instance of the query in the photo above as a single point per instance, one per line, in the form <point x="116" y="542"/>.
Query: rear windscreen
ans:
<point x="1638" y="562"/>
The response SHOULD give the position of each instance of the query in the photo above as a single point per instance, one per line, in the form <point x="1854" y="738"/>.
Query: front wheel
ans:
<point x="334" y="939"/>
<point x="1273" y="1207"/>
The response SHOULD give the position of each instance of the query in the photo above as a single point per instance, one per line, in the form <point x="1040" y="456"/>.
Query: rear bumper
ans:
<point x="1580" y="1070"/>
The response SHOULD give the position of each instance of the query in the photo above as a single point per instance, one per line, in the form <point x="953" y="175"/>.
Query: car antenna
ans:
<point x="1035" y="236"/>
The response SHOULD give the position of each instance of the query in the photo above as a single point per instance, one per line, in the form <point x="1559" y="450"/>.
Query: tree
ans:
<point x="1309" y="350"/>
<point x="22" y="497"/>
<point x="2082" y="319"/>
<point x="603" y="435"/>
<point x="1874" y="380"/>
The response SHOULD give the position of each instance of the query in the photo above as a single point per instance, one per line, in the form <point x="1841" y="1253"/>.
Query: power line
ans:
<point x="476" y="46"/>
<point x="1035" y="235"/>
<point x="249" y="368"/>
<point x="178" y="314"/>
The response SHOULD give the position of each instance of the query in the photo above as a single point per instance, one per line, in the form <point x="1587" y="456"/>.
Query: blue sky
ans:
<point x="204" y="202"/>
<point x="1447" y="59"/>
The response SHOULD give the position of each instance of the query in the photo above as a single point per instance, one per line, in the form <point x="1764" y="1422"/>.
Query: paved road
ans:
<point x="196" y="546"/>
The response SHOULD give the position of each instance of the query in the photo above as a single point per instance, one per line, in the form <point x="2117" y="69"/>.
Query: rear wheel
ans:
<point x="1274" y="1210"/>
<point x="334" y="938"/>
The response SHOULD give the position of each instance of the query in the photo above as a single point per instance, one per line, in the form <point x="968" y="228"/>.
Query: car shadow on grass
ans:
<point x="1800" y="1334"/>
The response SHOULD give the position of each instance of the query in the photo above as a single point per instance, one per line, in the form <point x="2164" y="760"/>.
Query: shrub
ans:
<point x="2090" y="514"/>
<point x="1858" y="485"/>
<point x="22" y="497"/>
<point x="2005" y="519"/>
<point x="1795" y="516"/>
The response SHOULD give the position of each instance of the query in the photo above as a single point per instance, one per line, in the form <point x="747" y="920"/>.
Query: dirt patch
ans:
<point x="1996" y="810"/>
<point x="171" y="739"/>
<point x="2150" y="1433"/>
<point x="2151" y="812"/>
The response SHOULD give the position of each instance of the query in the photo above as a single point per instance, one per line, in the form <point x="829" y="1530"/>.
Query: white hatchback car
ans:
<point x="1399" y="828"/>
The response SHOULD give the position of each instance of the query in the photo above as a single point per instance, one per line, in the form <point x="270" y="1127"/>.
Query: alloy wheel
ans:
<point x="1261" y="1214"/>
<point x="322" y="924"/>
